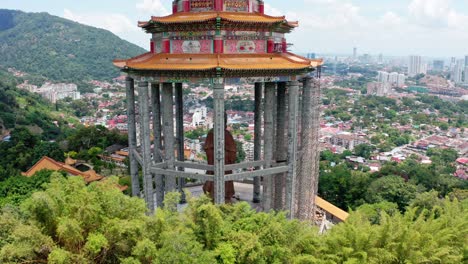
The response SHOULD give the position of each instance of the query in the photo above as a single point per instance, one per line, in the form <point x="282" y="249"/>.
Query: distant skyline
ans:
<point x="432" y="28"/>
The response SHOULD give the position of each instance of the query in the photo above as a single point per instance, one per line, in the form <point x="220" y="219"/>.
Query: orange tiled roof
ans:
<point x="47" y="163"/>
<point x="91" y="176"/>
<point x="192" y="17"/>
<point x="201" y="62"/>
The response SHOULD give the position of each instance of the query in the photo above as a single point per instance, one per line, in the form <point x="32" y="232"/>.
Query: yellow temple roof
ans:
<point x="203" y="62"/>
<point x="192" y="17"/>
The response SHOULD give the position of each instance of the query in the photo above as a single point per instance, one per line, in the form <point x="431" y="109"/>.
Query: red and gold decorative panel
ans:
<point x="192" y="46"/>
<point x="201" y="5"/>
<point x="236" y="5"/>
<point x="244" y="46"/>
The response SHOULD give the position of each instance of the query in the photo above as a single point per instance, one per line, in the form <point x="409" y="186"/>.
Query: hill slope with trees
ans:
<point x="59" y="49"/>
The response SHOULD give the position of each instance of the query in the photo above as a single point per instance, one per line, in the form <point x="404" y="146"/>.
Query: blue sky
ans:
<point x="435" y="28"/>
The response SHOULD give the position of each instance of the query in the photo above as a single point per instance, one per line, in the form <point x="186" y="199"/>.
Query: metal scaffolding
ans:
<point x="289" y="175"/>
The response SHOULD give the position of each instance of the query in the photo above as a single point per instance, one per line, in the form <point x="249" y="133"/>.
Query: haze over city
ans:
<point x="391" y="27"/>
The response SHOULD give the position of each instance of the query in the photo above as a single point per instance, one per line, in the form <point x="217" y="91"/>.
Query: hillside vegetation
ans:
<point x="59" y="49"/>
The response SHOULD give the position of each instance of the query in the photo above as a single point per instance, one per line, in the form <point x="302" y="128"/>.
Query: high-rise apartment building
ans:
<point x="466" y="61"/>
<point x="401" y="80"/>
<point x="311" y="55"/>
<point x="457" y="73"/>
<point x="382" y="76"/>
<point x="355" y="53"/>
<point x="392" y="79"/>
<point x="453" y="62"/>
<point x="438" y="65"/>
<point x="415" y="66"/>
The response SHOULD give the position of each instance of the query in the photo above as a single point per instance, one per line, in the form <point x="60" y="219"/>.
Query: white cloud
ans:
<point x="391" y="19"/>
<point x="154" y="7"/>
<point x="436" y="13"/>
<point x="115" y="23"/>
<point x="271" y="11"/>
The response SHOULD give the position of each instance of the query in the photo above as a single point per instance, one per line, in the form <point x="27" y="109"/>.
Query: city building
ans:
<point x="382" y="76"/>
<point x="58" y="91"/>
<point x="311" y="55"/>
<point x="438" y="65"/>
<point x="199" y="116"/>
<point x="393" y="79"/>
<point x="416" y="66"/>
<point x="355" y="53"/>
<point x="378" y="88"/>
<point x="453" y="62"/>
<point x="457" y="73"/>
<point x="401" y="80"/>
<point x="347" y="140"/>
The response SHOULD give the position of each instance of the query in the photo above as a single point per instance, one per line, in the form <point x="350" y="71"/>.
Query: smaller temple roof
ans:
<point x="187" y="17"/>
<point x="205" y="62"/>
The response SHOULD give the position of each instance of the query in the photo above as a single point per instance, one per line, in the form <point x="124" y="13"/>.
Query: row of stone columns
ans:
<point x="293" y="191"/>
<point x="161" y="100"/>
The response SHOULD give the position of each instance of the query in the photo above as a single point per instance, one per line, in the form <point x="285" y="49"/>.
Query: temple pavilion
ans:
<point x="219" y="42"/>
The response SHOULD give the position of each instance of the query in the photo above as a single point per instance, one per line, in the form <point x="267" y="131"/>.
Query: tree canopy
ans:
<point x="70" y="222"/>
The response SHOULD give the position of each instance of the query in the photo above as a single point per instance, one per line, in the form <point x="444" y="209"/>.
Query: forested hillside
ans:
<point x="22" y="108"/>
<point x="59" y="49"/>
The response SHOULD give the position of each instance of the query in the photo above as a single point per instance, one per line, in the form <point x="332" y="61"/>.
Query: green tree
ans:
<point x="364" y="150"/>
<point x="392" y="189"/>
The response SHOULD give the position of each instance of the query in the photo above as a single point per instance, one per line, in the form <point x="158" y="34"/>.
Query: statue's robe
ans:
<point x="229" y="158"/>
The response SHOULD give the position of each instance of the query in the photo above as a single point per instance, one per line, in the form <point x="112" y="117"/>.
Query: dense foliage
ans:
<point x="14" y="190"/>
<point x="396" y="183"/>
<point x="59" y="49"/>
<point x="23" y="150"/>
<point x="70" y="222"/>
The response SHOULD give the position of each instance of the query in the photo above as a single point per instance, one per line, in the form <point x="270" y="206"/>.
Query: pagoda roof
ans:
<point x="205" y="62"/>
<point x="202" y="17"/>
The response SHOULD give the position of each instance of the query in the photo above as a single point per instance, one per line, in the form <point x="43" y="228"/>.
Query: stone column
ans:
<point x="293" y="88"/>
<point x="281" y="149"/>
<point x="132" y="141"/>
<point x="168" y="130"/>
<point x="309" y="161"/>
<point x="179" y="101"/>
<point x="257" y="138"/>
<point x="157" y="145"/>
<point x="218" y="95"/>
<point x="269" y="132"/>
<point x="146" y="144"/>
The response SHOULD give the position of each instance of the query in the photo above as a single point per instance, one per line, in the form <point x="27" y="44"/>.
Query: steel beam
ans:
<point x="219" y="126"/>
<point x="308" y="168"/>
<point x="281" y="149"/>
<point x="257" y="137"/>
<point x="132" y="141"/>
<point x="267" y="173"/>
<point x="137" y="156"/>
<point x="168" y="130"/>
<point x="194" y="165"/>
<point x="179" y="101"/>
<point x="157" y="144"/>
<point x="293" y="88"/>
<point x="174" y="173"/>
<point x="269" y="132"/>
<point x="146" y="144"/>
<point x="245" y="165"/>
